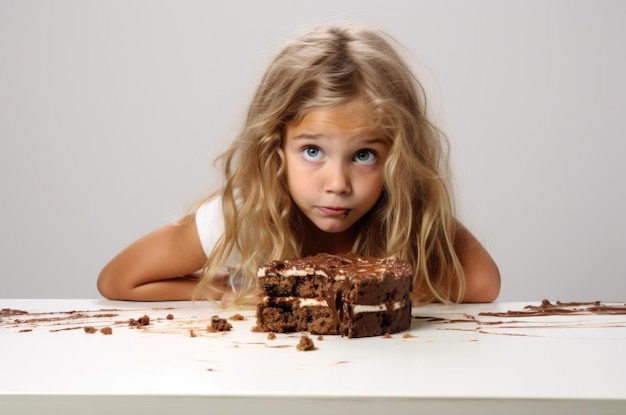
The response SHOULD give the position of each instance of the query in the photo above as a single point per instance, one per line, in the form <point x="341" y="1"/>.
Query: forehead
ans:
<point x="350" y="118"/>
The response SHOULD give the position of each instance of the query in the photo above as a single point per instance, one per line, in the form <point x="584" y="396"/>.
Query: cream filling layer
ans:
<point x="356" y="308"/>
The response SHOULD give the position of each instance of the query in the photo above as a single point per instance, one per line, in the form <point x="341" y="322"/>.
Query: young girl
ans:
<point x="336" y="155"/>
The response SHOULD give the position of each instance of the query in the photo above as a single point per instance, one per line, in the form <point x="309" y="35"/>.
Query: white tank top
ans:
<point x="210" y="225"/>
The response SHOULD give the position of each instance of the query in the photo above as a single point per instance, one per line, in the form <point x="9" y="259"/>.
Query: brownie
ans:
<point x="348" y="294"/>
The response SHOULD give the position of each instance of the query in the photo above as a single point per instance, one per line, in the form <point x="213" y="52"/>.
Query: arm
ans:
<point x="157" y="267"/>
<point x="482" y="277"/>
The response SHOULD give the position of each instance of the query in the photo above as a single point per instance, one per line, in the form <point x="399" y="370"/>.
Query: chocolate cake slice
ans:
<point x="346" y="294"/>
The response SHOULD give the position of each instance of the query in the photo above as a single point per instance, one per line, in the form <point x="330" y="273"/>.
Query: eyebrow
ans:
<point x="307" y="136"/>
<point x="304" y="136"/>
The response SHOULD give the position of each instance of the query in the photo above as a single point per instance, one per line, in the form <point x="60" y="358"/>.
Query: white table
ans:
<point x="456" y="361"/>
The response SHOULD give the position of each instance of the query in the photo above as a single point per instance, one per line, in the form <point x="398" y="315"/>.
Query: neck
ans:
<point x="331" y="243"/>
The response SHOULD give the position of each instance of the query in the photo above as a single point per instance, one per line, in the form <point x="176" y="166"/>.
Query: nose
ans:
<point x="337" y="180"/>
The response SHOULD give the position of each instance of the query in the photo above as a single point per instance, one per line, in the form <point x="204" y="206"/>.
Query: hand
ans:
<point x="222" y="280"/>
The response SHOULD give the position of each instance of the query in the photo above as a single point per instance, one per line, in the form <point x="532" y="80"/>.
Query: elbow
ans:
<point x="107" y="285"/>
<point x="491" y="290"/>
<point x="484" y="288"/>
<point x="104" y="286"/>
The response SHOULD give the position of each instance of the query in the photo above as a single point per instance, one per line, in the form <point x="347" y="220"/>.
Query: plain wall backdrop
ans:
<point x="111" y="113"/>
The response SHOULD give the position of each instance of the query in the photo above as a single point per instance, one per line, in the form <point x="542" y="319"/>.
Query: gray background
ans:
<point x="111" y="113"/>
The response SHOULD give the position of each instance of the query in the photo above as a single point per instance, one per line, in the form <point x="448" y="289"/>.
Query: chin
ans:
<point x="333" y="228"/>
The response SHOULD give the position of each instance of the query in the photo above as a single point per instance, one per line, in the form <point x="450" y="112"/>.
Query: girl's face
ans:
<point x="334" y="164"/>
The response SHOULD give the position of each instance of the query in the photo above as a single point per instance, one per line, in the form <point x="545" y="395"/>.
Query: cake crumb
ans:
<point x="271" y="336"/>
<point x="305" y="344"/>
<point x="140" y="322"/>
<point x="409" y="336"/>
<point x="237" y="317"/>
<point x="387" y="336"/>
<point x="320" y="337"/>
<point x="90" y="329"/>
<point x="106" y="330"/>
<point x="219" y="324"/>
<point x="192" y="333"/>
<point x="170" y="317"/>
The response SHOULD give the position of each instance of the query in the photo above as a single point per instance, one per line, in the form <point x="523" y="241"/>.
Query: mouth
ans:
<point x="334" y="211"/>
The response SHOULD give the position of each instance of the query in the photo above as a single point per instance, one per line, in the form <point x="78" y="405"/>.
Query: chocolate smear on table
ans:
<point x="562" y="308"/>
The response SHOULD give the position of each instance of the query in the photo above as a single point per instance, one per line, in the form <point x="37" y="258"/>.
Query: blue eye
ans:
<point x="312" y="153"/>
<point x="366" y="157"/>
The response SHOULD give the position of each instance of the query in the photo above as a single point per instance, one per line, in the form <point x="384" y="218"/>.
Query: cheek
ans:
<point x="300" y="183"/>
<point x="372" y="188"/>
<point x="296" y="178"/>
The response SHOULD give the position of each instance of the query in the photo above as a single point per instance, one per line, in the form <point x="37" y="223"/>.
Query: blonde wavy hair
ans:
<point x="413" y="218"/>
